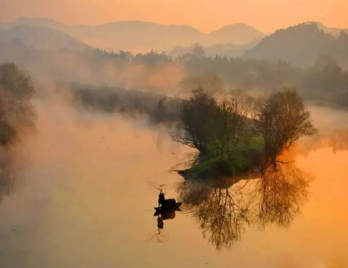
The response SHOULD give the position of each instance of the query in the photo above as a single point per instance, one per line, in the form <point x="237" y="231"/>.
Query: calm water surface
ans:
<point x="82" y="199"/>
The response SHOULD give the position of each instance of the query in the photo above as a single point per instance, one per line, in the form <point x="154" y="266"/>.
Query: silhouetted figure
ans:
<point x="161" y="199"/>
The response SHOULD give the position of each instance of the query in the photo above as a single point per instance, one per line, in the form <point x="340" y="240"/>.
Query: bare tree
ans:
<point x="284" y="119"/>
<point x="231" y="133"/>
<point x="250" y="104"/>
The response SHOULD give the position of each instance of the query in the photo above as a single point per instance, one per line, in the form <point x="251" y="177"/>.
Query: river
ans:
<point x="82" y="198"/>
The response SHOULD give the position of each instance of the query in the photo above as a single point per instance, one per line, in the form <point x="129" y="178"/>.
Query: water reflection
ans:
<point x="162" y="215"/>
<point x="224" y="208"/>
<point x="7" y="176"/>
<point x="161" y="236"/>
<point x="282" y="193"/>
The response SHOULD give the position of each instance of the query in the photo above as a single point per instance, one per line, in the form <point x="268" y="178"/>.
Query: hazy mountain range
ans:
<point x="299" y="45"/>
<point x="52" y="56"/>
<point x="139" y="36"/>
<point x="40" y="37"/>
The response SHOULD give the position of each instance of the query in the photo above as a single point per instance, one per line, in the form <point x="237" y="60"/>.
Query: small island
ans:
<point x="238" y="134"/>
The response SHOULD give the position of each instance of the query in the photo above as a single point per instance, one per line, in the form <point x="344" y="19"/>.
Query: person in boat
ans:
<point x="161" y="199"/>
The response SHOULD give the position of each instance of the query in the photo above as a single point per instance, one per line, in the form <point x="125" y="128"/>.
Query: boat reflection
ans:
<point x="161" y="217"/>
<point x="224" y="208"/>
<point x="161" y="236"/>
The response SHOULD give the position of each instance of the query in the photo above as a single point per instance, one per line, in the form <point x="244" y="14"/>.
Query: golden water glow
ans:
<point x="84" y="200"/>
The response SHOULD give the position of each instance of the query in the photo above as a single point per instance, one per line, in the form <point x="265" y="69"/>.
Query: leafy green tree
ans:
<point x="217" y="129"/>
<point x="197" y="121"/>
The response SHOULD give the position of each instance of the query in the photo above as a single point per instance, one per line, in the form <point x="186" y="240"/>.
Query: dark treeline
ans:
<point x="158" y="108"/>
<point x="325" y="82"/>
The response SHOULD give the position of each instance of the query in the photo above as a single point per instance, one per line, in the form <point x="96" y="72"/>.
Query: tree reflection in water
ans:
<point x="281" y="196"/>
<point x="224" y="208"/>
<point x="7" y="177"/>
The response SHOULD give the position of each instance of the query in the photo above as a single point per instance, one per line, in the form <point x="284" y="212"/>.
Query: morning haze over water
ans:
<point x="186" y="134"/>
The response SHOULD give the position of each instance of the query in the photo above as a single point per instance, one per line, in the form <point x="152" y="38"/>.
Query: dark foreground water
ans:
<point x="82" y="199"/>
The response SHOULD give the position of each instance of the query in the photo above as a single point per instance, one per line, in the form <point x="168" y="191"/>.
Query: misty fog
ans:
<point x="91" y="118"/>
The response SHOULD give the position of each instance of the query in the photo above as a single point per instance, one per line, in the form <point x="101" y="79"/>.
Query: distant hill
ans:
<point x="40" y="22"/>
<point x="301" y="45"/>
<point x="241" y="34"/>
<point x="40" y="37"/>
<point x="139" y="36"/>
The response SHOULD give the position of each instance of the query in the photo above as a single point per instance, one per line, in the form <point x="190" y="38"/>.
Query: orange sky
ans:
<point x="206" y="15"/>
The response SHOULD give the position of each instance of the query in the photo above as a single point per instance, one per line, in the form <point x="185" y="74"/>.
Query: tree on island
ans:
<point x="226" y="137"/>
<point x="283" y="120"/>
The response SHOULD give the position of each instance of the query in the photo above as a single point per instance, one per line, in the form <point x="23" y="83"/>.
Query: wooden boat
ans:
<point x="167" y="208"/>
<point x="168" y="215"/>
